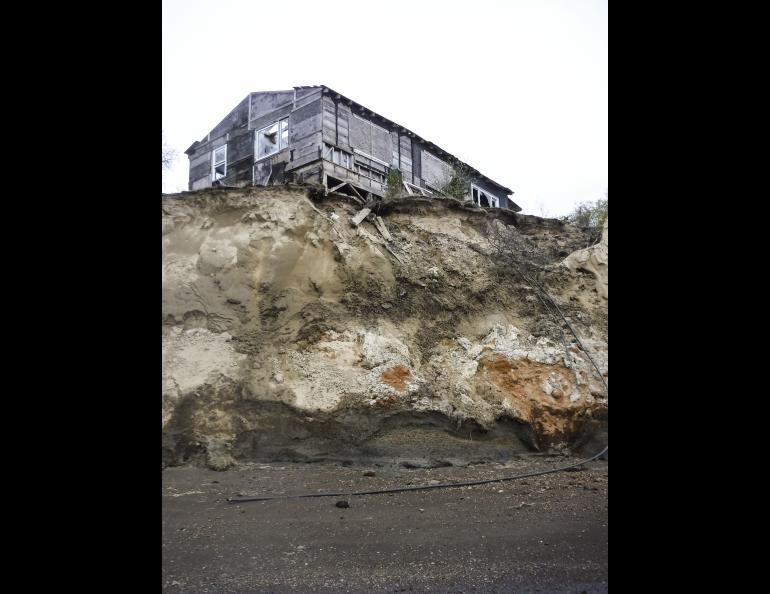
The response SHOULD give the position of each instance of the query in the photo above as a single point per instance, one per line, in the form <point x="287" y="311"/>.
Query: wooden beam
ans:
<point x="360" y="216"/>
<point x="394" y="254"/>
<point x="352" y="187"/>
<point x="378" y="222"/>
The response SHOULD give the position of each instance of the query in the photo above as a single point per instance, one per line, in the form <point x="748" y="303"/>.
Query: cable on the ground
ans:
<point x="419" y="487"/>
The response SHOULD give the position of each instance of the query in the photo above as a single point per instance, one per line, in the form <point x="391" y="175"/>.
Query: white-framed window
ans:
<point x="219" y="163"/>
<point x="484" y="198"/>
<point x="271" y="139"/>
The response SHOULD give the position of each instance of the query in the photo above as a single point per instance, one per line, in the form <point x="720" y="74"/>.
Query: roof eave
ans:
<point x="427" y="143"/>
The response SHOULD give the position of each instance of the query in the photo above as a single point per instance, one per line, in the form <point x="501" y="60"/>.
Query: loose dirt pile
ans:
<point x="289" y="333"/>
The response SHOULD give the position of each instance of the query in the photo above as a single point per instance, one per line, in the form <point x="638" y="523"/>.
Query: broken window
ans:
<point x="337" y="156"/>
<point x="370" y="167"/>
<point x="219" y="161"/>
<point x="484" y="198"/>
<point x="272" y="138"/>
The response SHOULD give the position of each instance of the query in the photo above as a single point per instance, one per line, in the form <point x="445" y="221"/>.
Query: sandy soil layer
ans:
<point x="291" y="334"/>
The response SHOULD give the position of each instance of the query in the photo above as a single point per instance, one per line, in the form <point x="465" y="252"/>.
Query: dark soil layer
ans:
<point x="544" y="534"/>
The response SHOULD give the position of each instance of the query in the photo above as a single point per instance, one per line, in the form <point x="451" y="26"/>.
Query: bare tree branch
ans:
<point x="168" y="154"/>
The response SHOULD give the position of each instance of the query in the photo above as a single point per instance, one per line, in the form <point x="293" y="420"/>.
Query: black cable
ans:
<point x="417" y="488"/>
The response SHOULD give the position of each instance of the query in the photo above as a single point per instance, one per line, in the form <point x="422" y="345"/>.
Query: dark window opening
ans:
<point x="272" y="138"/>
<point x="482" y="198"/>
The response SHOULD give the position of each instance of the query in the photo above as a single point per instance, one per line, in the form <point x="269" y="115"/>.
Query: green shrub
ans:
<point x="588" y="214"/>
<point x="459" y="182"/>
<point x="395" y="184"/>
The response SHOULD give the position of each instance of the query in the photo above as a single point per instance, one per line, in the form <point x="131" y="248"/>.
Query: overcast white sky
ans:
<point x="516" y="88"/>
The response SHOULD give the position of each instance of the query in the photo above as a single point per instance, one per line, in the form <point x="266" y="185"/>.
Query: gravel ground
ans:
<point x="540" y="534"/>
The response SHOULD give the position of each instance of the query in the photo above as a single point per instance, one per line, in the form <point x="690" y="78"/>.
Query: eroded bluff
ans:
<point x="290" y="333"/>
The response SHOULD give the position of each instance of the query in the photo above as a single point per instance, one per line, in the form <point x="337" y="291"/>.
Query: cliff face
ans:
<point x="594" y="259"/>
<point x="289" y="333"/>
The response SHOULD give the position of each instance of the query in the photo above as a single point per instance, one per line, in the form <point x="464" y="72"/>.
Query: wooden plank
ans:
<point x="304" y="161"/>
<point x="304" y="151"/>
<point x="378" y="222"/>
<point x="265" y="119"/>
<point x="352" y="187"/>
<point x="362" y="214"/>
<point x="394" y="254"/>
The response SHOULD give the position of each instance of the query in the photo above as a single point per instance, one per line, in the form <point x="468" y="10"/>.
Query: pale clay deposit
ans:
<point x="288" y="331"/>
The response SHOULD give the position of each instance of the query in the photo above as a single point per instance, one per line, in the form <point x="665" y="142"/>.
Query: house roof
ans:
<point x="427" y="143"/>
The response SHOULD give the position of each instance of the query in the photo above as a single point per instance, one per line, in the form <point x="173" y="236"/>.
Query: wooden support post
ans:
<point x="352" y="187"/>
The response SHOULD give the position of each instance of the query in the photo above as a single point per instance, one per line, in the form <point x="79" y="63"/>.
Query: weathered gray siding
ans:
<point x="329" y="121"/>
<point x="203" y="169"/>
<point x="307" y="91"/>
<point x="381" y="146"/>
<point x="343" y="126"/>
<point x="405" y="156"/>
<point x="236" y="118"/>
<point x="263" y="103"/>
<point x="309" y="174"/>
<point x="200" y="164"/>
<point x="240" y="154"/>
<point x="200" y="158"/>
<point x="416" y="161"/>
<point x="304" y="122"/>
<point x="360" y="134"/>
<point x="199" y="184"/>
<point x="270" y="117"/>
<point x="232" y="131"/>
<point x="307" y="97"/>
<point x="240" y="145"/>
<point x="305" y="132"/>
<point x="370" y="138"/>
<point x="435" y="171"/>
